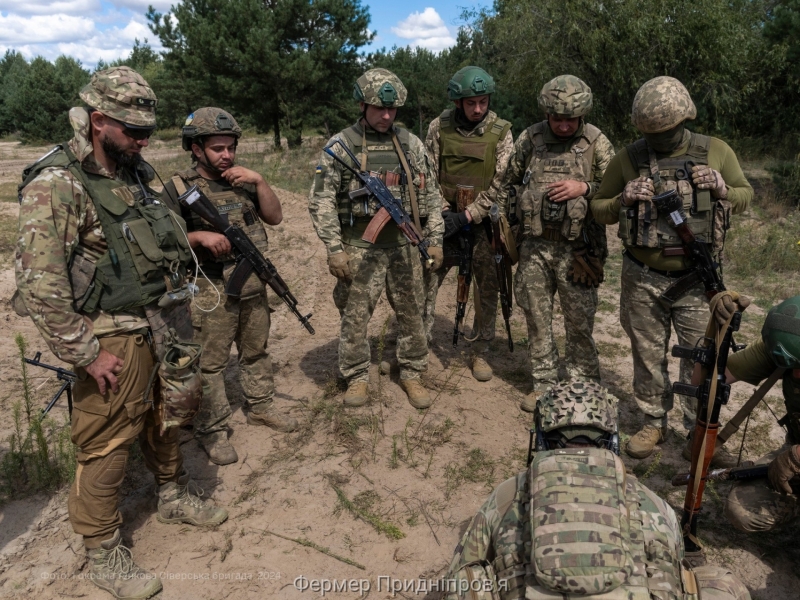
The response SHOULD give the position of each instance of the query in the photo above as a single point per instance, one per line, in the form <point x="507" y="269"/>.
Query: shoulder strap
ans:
<point x="698" y="148"/>
<point x="180" y="186"/>
<point x="56" y="157"/>
<point x="637" y="152"/>
<point x="536" y="133"/>
<point x="500" y="127"/>
<point x="409" y="178"/>
<point x="446" y="118"/>
<point x="591" y="133"/>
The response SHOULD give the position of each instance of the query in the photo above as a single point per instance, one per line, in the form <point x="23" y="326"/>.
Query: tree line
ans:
<point x="288" y="66"/>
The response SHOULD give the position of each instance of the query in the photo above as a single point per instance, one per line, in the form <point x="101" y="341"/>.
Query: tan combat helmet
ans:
<point x="661" y="104"/>
<point x="380" y="87"/>
<point x="206" y="121"/>
<point x="122" y="94"/>
<point x="566" y="96"/>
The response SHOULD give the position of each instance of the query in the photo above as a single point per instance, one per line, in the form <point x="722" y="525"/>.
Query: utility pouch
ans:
<point x="529" y="213"/>
<point x="722" y="222"/>
<point x="81" y="277"/>
<point x="180" y="382"/>
<point x="574" y="216"/>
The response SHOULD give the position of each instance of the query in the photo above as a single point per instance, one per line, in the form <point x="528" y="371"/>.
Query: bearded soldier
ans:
<point x="212" y="135"/>
<point x="98" y="262"/>
<point x="470" y="146"/>
<point x="705" y="172"/>
<point x="559" y="163"/>
<point x="363" y="269"/>
<point x="575" y="524"/>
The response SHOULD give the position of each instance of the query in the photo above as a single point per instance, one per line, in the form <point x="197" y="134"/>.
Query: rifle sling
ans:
<point x="678" y="289"/>
<point x="410" y="182"/>
<point x="732" y="426"/>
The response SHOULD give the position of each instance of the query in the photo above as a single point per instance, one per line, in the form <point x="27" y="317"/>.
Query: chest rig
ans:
<point x="468" y="161"/>
<point x="241" y="211"/>
<point x="146" y="253"/>
<point x="555" y="221"/>
<point x="584" y="530"/>
<point x="640" y="225"/>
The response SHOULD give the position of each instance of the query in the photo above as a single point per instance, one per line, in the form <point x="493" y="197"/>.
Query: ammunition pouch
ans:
<point x="180" y="382"/>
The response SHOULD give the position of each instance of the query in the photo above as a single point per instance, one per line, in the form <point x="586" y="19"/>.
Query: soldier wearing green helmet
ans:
<point x="705" y="172"/>
<point x="470" y="146"/>
<point x="559" y="163"/>
<point x="363" y="269"/>
<point x="763" y="505"/>
<point x="211" y="134"/>
<point x="554" y="530"/>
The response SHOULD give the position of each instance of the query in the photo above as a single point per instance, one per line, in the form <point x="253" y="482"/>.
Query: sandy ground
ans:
<point x="426" y="473"/>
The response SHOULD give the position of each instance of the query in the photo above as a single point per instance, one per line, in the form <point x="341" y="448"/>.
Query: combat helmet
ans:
<point x="566" y="95"/>
<point x="206" y="121"/>
<point x="579" y="408"/>
<point x="468" y="82"/>
<point x="380" y="87"/>
<point x="781" y="334"/>
<point x="122" y="94"/>
<point x="661" y="104"/>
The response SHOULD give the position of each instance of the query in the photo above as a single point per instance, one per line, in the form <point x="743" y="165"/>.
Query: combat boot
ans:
<point x="481" y="369"/>
<point x="176" y="504"/>
<point x="528" y="403"/>
<point x="722" y="459"/>
<point x="263" y="414"/>
<point x="219" y="449"/>
<point x="357" y="394"/>
<point x="642" y="444"/>
<point x="418" y="396"/>
<point x="111" y="568"/>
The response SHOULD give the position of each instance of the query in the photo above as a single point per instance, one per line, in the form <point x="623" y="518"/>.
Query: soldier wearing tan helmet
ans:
<point x="98" y="255"/>
<point x="559" y="164"/>
<point x="706" y="173"/>
<point x="364" y="269"/>
<point x="212" y="135"/>
<point x="470" y="146"/>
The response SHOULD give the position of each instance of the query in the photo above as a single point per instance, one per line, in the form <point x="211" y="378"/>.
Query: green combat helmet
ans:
<point x="661" y="104"/>
<point x="380" y="87"/>
<point x="122" y="94"/>
<point x="206" y="121"/>
<point x="781" y="334"/>
<point x="577" y="408"/>
<point x="567" y="96"/>
<point x="469" y="82"/>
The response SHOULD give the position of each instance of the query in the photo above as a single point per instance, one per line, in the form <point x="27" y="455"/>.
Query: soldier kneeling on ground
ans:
<point x="595" y="531"/>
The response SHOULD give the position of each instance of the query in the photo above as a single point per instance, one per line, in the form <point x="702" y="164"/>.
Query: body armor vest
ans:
<point x="241" y="211"/>
<point x="640" y="225"/>
<point x="588" y="532"/>
<point x="381" y="157"/>
<point x="469" y="161"/>
<point x="147" y="251"/>
<point x="538" y="215"/>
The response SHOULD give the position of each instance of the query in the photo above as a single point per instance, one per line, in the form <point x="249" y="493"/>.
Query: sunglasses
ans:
<point x="135" y="134"/>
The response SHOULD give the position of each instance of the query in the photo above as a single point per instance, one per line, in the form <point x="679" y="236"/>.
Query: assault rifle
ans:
<point x="502" y="264"/>
<point x="248" y="257"/>
<point x="391" y="207"/>
<point x="465" y="238"/>
<point x="731" y="474"/>
<point x="68" y="377"/>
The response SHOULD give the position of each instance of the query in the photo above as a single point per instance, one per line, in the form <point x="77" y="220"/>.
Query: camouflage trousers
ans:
<point x="399" y="270"/>
<point x="542" y="271"/>
<point x="246" y="322"/>
<point x="754" y="506"/>
<point x="647" y="319"/>
<point x="104" y="427"/>
<point x="485" y="278"/>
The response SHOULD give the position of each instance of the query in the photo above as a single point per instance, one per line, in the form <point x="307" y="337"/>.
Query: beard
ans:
<point x="118" y="155"/>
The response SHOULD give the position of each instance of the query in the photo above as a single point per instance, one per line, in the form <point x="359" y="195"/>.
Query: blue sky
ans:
<point x="91" y="30"/>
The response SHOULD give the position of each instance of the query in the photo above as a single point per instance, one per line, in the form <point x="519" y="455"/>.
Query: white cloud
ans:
<point x="50" y="7"/>
<point x="140" y="6"/>
<point x="425" y="29"/>
<point x="43" y="29"/>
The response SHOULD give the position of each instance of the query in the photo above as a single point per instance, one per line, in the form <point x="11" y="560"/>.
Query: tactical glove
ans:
<point x="783" y="468"/>
<point x="586" y="269"/>
<point x="338" y="265"/>
<point x="437" y="254"/>
<point x="453" y="222"/>
<point x="706" y="178"/>
<point x="724" y="304"/>
<point x="638" y="189"/>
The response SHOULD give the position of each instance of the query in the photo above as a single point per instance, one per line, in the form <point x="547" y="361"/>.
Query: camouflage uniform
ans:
<point x="65" y="278"/>
<point x="553" y="531"/>
<point x="661" y="107"/>
<point x="546" y="248"/>
<point x="483" y="256"/>
<point x="391" y="262"/>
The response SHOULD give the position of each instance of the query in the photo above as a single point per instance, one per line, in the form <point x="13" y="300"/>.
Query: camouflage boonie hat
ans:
<point x="380" y="87"/>
<point x="578" y="403"/>
<point x="122" y="94"/>
<point x="566" y="95"/>
<point x="208" y="120"/>
<point x="661" y="104"/>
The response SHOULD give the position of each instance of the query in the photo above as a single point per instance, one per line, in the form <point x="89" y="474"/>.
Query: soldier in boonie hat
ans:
<point x="122" y="94"/>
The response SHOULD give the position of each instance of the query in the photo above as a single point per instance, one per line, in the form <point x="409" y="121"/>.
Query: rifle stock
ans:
<point x="466" y="242"/>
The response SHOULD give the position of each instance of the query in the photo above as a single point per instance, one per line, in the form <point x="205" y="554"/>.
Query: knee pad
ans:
<point x="103" y="476"/>
<point x="718" y="583"/>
